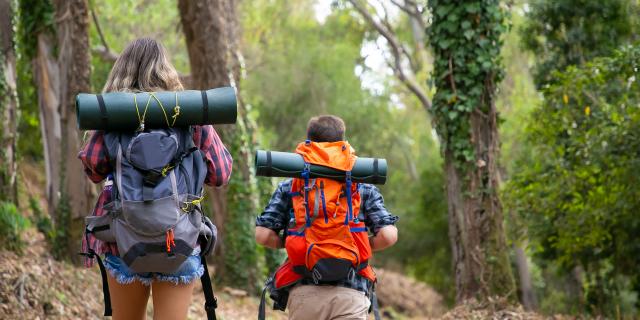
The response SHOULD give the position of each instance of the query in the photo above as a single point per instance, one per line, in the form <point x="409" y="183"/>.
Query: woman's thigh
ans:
<point x="128" y="301"/>
<point x="171" y="301"/>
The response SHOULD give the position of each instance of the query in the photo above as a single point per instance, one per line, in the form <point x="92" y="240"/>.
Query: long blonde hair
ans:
<point x="143" y="66"/>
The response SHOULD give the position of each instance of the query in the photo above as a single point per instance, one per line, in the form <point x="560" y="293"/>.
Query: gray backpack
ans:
<point x="155" y="216"/>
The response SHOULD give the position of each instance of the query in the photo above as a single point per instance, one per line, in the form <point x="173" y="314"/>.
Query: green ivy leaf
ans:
<point x="469" y="34"/>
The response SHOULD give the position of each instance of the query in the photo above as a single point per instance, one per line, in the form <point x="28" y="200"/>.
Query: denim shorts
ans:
<point x="190" y="271"/>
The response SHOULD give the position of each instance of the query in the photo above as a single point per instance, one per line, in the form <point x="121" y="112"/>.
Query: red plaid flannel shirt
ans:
<point x="97" y="166"/>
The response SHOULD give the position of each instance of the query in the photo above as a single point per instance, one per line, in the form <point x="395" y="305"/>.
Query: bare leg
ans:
<point x="170" y="301"/>
<point x="128" y="301"/>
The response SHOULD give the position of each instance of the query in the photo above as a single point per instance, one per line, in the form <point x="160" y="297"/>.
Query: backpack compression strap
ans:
<point x="211" y="303"/>
<point x="262" y="307"/>
<point x="374" y="305"/>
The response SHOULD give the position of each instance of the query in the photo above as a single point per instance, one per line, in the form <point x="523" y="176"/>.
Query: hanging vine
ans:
<point x="465" y="36"/>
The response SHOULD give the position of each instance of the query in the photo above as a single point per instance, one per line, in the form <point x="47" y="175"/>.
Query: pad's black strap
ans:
<point x="205" y="107"/>
<point x="375" y="171"/>
<point x="269" y="167"/>
<point x="211" y="303"/>
<point x="103" y="111"/>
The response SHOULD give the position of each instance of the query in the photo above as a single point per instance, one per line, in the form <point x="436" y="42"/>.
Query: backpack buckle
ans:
<point x="211" y="307"/>
<point x="316" y="276"/>
<point x="352" y="275"/>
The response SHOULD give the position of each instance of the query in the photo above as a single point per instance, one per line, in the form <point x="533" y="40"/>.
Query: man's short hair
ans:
<point x="327" y="128"/>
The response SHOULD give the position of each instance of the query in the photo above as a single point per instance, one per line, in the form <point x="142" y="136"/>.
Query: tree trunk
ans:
<point x="479" y="249"/>
<point x="59" y="79"/>
<point x="467" y="122"/>
<point x="8" y="104"/>
<point x="48" y="82"/>
<point x="528" y="297"/>
<point x="211" y="32"/>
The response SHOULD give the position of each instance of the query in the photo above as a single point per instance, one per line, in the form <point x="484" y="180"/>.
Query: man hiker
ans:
<point x="330" y="229"/>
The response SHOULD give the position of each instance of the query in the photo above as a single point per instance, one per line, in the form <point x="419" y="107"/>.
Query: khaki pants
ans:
<point x="308" y="302"/>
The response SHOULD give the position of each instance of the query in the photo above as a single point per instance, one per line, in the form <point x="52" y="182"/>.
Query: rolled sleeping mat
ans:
<point x="291" y="165"/>
<point x="116" y="111"/>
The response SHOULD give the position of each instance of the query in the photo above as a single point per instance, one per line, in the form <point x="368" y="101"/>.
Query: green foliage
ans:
<point x="466" y="39"/>
<point x="12" y="224"/>
<point x="35" y="16"/>
<point x="570" y="32"/>
<point x="286" y="95"/>
<point x="30" y="138"/>
<point x="42" y="221"/>
<point x="123" y="21"/>
<point x="59" y="236"/>
<point x="298" y="67"/>
<point x="241" y="265"/>
<point x="423" y="247"/>
<point x="579" y="192"/>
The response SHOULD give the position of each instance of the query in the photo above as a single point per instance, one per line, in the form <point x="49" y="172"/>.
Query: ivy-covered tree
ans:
<point x="8" y="103"/>
<point x="466" y="39"/>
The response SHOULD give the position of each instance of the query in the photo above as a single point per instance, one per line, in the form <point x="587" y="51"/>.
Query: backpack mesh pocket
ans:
<point x="145" y="253"/>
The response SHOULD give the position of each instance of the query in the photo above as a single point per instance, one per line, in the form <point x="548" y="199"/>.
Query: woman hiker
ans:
<point x="143" y="66"/>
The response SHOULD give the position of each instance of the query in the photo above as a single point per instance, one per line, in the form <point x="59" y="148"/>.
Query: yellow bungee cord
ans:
<point x="176" y="110"/>
<point x="188" y="205"/>
<point x="176" y="113"/>
<point x="144" y="114"/>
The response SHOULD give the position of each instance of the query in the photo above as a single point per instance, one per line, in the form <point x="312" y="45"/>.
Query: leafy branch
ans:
<point x="403" y="63"/>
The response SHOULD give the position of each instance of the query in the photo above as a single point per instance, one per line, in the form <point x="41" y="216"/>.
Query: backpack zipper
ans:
<point x="324" y="206"/>
<point x="170" y="240"/>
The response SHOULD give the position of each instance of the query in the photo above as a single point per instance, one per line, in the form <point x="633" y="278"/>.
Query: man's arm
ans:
<point x="268" y="238"/>
<point x="378" y="219"/>
<point x="274" y="218"/>
<point x="385" y="238"/>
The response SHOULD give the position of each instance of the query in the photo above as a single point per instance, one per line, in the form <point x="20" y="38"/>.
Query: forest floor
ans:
<point x="33" y="285"/>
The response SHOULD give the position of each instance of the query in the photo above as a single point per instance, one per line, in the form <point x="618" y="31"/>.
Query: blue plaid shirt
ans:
<point x="372" y="211"/>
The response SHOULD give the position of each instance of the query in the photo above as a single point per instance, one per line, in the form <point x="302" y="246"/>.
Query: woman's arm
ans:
<point x="95" y="158"/>
<point x="217" y="157"/>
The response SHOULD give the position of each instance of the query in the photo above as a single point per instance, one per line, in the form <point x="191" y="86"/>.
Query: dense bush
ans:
<point x="12" y="224"/>
<point x="578" y="188"/>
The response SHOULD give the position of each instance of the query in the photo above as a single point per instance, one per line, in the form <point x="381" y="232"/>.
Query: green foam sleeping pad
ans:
<point x="291" y="165"/>
<point x="117" y="112"/>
